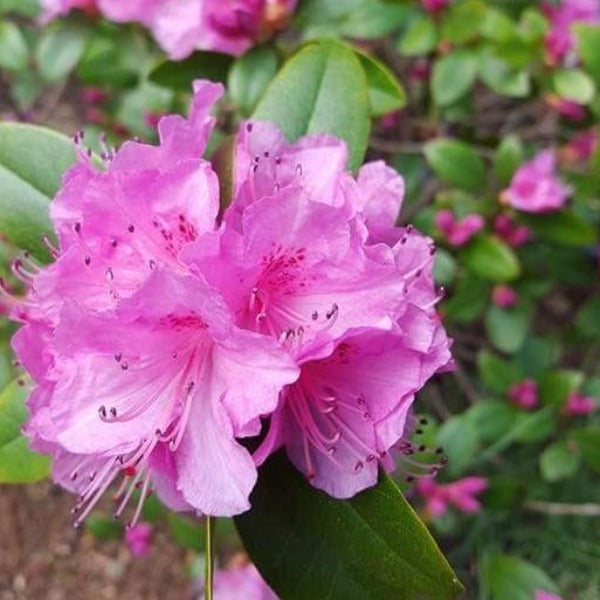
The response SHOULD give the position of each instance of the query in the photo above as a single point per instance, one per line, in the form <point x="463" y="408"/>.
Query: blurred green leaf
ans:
<point x="32" y="162"/>
<point x="508" y="158"/>
<point x="373" y="19"/>
<point x="444" y="268"/>
<point x="588" y="45"/>
<point x="385" y="91"/>
<point x="497" y="25"/>
<point x="459" y="437"/>
<point x="18" y="464"/>
<point x="179" y="76"/>
<point x="463" y="20"/>
<point x="249" y="77"/>
<point x="59" y="49"/>
<point x="453" y="76"/>
<point x="490" y="258"/>
<point x="104" y="529"/>
<point x="573" y="84"/>
<point x="556" y="385"/>
<point x="14" y="54"/>
<point x="456" y="162"/>
<point x="420" y="37"/>
<point x="186" y="532"/>
<point x="587" y="319"/>
<point x="321" y="89"/>
<point x="588" y="442"/>
<point x="502" y="78"/>
<point x="510" y="578"/>
<point x="372" y="545"/>
<point x="468" y="300"/>
<point x="564" y="227"/>
<point x="497" y="375"/>
<point x="507" y="328"/>
<point x="559" y="461"/>
<point x="491" y="419"/>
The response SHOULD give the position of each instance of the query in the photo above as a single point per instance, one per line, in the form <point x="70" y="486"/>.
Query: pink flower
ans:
<point x="580" y="147"/>
<point x="513" y="234"/>
<point x="94" y="95"/>
<point x="391" y="120"/>
<point x="458" y="232"/>
<point x="504" y="296"/>
<point x="577" y="404"/>
<point x="524" y="394"/>
<point x="535" y="187"/>
<point x="420" y="70"/>
<point x="560" y="40"/>
<point x="434" y="6"/>
<point x="460" y="494"/>
<point x="241" y="582"/>
<point x="567" y="108"/>
<point x="139" y="538"/>
<point x="140" y="370"/>
<point x="542" y="595"/>
<point x="56" y="8"/>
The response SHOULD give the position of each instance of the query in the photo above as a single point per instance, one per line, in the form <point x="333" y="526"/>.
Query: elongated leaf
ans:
<point x="309" y="545"/>
<point x="59" y="49"/>
<point x="32" y="162"/>
<point x="17" y="463"/>
<point x="321" y="89"/>
<point x="490" y="258"/>
<point x="200" y="65"/>
<point x="453" y="76"/>
<point x="564" y="227"/>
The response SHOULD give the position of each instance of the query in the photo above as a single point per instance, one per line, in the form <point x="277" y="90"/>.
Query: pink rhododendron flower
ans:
<point x="535" y="187"/>
<point x="139" y="538"/>
<point x="524" y="394"/>
<point x="580" y="147"/>
<point x="434" y="6"/>
<point x="458" y="232"/>
<point x="543" y="595"/>
<point x="560" y="40"/>
<point x="566" y="108"/>
<point x="241" y="582"/>
<point x="578" y="404"/>
<point x="460" y="494"/>
<point x="303" y="239"/>
<point x="94" y="95"/>
<point x="504" y="296"/>
<point x="128" y="348"/>
<point x="512" y="233"/>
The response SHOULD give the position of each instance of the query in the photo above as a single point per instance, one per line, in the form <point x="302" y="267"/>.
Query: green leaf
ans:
<point x="556" y="385"/>
<point x="104" y="529"/>
<point x="419" y="38"/>
<point x="309" y="545"/>
<point x="460" y="440"/>
<point x="457" y="163"/>
<point x="564" y="227"/>
<point x="507" y="328"/>
<point x="588" y="44"/>
<point x="507" y="159"/>
<point x="249" y="77"/>
<point x="502" y="78"/>
<point x="14" y="54"/>
<point x="32" y="162"/>
<point x="444" y="268"/>
<point x="490" y="258"/>
<point x="17" y="463"/>
<point x="27" y="8"/>
<point x="385" y="91"/>
<point x="574" y="84"/>
<point x="560" y="460"/>
<point x="373" y="19"/>
<point x="321" y="89"/>
<point x="179" y="76"/>
<point x="510" y="578"/>
<point x="497" y="374"/>
<point x="453" y="76"/>
<point x="587" y="320"/>
<point x="468" y="300"/>
<point x="491" y="419"/>
<point x="59" y="49"/>
<point x="497" y="25"/>
<point x="463" y="20"/>
<point x="588" y="442"/>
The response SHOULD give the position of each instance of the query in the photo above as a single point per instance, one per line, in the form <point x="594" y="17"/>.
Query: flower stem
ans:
<point x="208" y="559"/>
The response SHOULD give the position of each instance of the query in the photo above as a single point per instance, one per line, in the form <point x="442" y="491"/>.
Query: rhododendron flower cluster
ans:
<point x="560" y="40"/>
<point x="461" y="494"/>
<point x="535" y="187"/>
<point x="182" y="26"/>
<point x="458" y="232"/>
<point x="161" y="335"/>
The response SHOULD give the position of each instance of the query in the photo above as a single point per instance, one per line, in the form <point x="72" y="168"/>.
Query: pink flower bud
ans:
<point x="504" y="296"/>
<point x="524" y="394"/>
<point x="577" y="404"/>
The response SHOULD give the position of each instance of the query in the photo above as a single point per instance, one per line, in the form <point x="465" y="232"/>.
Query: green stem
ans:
<point x="208" y="559"/>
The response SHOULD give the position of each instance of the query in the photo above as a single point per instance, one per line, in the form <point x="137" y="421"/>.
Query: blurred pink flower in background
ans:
<point x="562" y="15"/>
<point x="578" y="404"/>
<point x="56" y="8"/>
<point x="458" y="232"/>
<point x="543" y="595"/>
<point x="580" y="147"/>
<point x="461" y="494"/>
<point x="434" y="6"/>
<point x="94" y="95"/>
<point x="524" y="394"/>
<point x="139" y="538"/>
<point x="504" y="296"/>
<point x="241" y="583"/>
<point x="566" y="108"/>
<point x="536" y="187"/>
<point x="512" y="233"/>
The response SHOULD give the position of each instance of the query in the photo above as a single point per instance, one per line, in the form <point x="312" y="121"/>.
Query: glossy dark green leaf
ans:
<point x="32" y="162"/>
<point x="249" y="77"/>
<point x="17" y="463"/>
<point x="200" y="65"/>
<point x="453" y="76"/>
<point x="321" y="89"/>
<point x="385" y="91"/>
<point x="309" y="545"/>
<point x="490" y="258"/>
